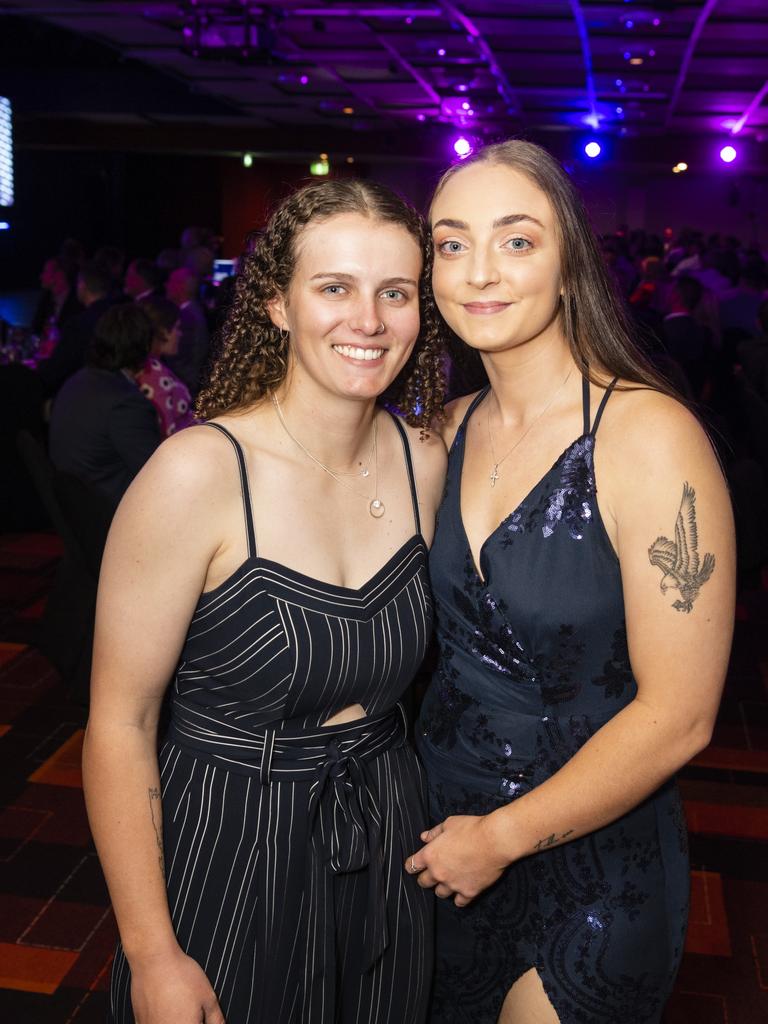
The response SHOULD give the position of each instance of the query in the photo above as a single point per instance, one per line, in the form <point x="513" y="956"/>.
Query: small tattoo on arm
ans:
<point x="681" y="567"/>
<point x="552" y="840"/>
<point x="154" y="796"/>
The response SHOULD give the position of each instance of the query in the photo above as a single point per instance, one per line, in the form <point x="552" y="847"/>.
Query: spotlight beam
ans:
<point x="505" y="86"/>
<point x="698" y="28"/>
<point x="586" y="52"/>
<point x="755" y="103"/>
<point x="434" y="97"/>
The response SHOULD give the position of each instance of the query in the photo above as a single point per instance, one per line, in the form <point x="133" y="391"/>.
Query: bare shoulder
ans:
<point x="642" y="428"/>
<point x="455" y="412"/>
<point x="429" y="457"/>
<point x="183" y="487"/>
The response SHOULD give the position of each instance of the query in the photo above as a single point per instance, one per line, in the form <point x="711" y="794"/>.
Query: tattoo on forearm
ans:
<point x="681" y="567"/>
<point x="552" y="840"/>
<point x="157" y="825"/>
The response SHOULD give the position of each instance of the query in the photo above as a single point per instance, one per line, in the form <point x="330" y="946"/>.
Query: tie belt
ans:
<point x="344" y="819"/>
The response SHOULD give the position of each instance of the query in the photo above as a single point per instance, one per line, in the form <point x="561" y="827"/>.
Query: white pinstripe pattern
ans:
<point x="270" y="655"/>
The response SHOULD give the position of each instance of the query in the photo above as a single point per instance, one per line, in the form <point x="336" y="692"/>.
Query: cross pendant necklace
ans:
<point x="495" y="471"/>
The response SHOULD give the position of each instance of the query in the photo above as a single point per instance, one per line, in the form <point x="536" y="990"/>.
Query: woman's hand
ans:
<point x="462" y="857"/>
<point x="173" y="988"/>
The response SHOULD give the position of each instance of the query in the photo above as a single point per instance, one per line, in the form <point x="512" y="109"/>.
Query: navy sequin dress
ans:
<point x="533" y="661"/>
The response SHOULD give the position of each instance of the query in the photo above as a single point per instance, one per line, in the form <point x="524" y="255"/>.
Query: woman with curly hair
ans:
<point x="583" y="573"/>
<point x="273" y="561"/>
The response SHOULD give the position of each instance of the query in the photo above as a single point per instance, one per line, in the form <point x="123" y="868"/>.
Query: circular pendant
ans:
<point x="365" y="471"/>
<point x="376" y="508"/>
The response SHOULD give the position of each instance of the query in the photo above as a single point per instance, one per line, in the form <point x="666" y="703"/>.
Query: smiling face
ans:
<point x="496" y="276"/>
<point x="352" y="306"/>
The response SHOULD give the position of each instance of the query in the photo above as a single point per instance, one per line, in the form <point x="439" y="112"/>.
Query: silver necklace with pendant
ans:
<point x="494" y="476"/>
<point x="375" y="505"/>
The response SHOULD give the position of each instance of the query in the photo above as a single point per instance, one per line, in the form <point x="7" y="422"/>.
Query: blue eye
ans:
<point x="450" y="247"/>
<point x="519" y="244"/>
<point x="334" y="289"/>
<point x="394" y="294"/>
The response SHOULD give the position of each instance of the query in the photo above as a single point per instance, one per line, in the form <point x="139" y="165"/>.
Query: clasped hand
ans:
<point x="460" y="859"/>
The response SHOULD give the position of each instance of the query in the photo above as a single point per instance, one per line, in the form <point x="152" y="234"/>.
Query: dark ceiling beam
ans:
<point x="586" y="53"/>
<point x="505" y="86"/>
<point x="690" y="48"/>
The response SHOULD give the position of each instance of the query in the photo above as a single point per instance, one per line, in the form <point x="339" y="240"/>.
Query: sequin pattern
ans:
<point x="532" y="664"/>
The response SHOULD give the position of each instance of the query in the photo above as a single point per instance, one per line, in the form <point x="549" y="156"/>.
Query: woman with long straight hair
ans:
<point x="272" y="563"/>
<point x="583" y="573"/>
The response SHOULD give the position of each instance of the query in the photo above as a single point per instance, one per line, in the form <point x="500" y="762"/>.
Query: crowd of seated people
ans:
<point x="698" y="303"/>
<point x="181" y="309"/>
<point x="700" y="306"/>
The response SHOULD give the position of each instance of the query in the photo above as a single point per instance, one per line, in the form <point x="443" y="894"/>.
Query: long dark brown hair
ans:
<point x="253" y="358"/>
<point x="591" y="313"/>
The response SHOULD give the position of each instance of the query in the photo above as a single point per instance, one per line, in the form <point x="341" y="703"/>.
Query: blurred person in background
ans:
<point x="68" y="356"/>
<point x="169" y="395"/>
<point x="102" y="428"/>
<point x="182" y="288"/>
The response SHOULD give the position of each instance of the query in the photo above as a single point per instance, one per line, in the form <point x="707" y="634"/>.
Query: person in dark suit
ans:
<point x="687" y="341"/>
<point x="93" y="285"/>
<point x="183" y="287"/>
<point x="58" y="302"/>
<point x="102" y="428"/>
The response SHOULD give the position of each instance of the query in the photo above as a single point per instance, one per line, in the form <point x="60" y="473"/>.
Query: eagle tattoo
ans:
<point x="679" y="559"/>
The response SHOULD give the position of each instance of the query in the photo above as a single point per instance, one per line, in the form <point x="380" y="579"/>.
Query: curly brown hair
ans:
<point x="252" y="360"/>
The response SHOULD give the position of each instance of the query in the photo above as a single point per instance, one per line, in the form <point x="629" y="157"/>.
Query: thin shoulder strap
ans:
<point x="244" y="486"/>
<point x="409" y="467"/>
<point x="472" y="406"/>
<point x="601" y="407"/>
<point x="585" y="402"/>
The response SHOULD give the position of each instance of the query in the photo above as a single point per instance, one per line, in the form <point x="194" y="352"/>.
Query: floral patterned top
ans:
<point x="169" y="395"/>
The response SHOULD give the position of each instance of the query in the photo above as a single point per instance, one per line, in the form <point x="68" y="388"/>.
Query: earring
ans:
<point x="284" y="334"/>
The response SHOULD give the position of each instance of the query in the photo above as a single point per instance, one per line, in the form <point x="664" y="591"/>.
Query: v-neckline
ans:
<point x="477" y="565"/>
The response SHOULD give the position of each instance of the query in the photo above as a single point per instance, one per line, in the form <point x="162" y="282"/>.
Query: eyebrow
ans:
<point x="500" y="222"/>
<point x="328" y="275"/>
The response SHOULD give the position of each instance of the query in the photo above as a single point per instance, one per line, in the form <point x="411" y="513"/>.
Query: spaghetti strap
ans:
<point x="472" y="406"/>
<point x="585" y="403"/>
<point x="601" y="407"/>
<point x="409" y="467"/>
<point x="244" y="486"/>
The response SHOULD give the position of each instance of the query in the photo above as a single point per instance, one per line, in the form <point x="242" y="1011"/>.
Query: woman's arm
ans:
<point x="661" y="485"/>
<point x="154" y="567"/>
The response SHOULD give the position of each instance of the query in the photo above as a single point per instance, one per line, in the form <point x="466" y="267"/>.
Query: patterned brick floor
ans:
<point x="56" y="929"/>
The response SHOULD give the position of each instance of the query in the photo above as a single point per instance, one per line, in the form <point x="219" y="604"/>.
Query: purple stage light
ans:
<point x="728" y="154"/>
<point x="441" y="52"/>
<point x="304" y="80"/>
<point x="592" y="149"/>
<point x="462" y="147"/>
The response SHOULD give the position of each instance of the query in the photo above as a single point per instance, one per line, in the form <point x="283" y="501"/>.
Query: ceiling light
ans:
<point x="636" y="60"/>
<point x="319" y="168"/>
<point x="728" y="154"/>
<point x="462" y="147"/>
<point x="247" y="160"/>
<point x="593" y="149"/>
<point x="347" y="110"/>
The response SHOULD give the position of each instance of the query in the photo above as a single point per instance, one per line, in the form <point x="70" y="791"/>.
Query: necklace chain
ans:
<point x="375" y="504"/>
<point x="494" y="475"/>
